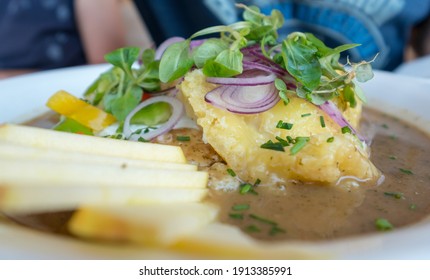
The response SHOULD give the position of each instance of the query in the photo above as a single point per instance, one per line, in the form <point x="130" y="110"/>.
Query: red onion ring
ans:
<point x="334" y="113"/>
<point x="163" y="46"/>
<point x="244" y="99"/>
<point x="245" y="79"/>
<point x="177" y="111"/>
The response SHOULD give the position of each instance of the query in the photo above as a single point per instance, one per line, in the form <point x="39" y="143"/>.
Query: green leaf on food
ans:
<point x="123" y="57"/>
<point x="349" y="95"/>
<point x="210" y="49"/>
<point x="106" y="83"/>
<point x="153" y="114"/>
<point x="301" y="61"/>
<point x="363" y="71"/>
<point x="121" y="106"/>
<point x="176" y="61"/>
<point x="148" y="56"/>
<point x="228" y="63"/>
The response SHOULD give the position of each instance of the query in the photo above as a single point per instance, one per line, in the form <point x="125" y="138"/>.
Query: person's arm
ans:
<point x="7" y="73"/>
<point x="420" y="39"/>
<point x="101" y="27"/>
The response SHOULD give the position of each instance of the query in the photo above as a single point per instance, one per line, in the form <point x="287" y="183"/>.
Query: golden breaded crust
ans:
<point x="237" y="138"/>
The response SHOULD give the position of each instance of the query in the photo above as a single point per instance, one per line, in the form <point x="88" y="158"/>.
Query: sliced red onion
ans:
<point x="252" y="65"/>
<point x="177" y="112"/>
<point x="245" y="79"/>
<point x="244" y="99"/>
<point x="163" y="46"/>
<point x="269" y="62"/>
<point x="337" y="116"/>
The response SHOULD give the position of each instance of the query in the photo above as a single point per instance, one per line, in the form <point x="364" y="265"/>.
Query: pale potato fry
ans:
<point x="223" y="241"/>
<point x="46" y="138"/>
<point x="14" y="171"/>
<point x="149" y="225"/>
<point x="12" y="151"/>
<point x="19" y="198"/>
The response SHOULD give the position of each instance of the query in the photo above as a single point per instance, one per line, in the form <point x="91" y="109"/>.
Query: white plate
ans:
<point x="24" y="97"/>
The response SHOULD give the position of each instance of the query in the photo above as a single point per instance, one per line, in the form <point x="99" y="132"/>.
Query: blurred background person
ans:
<point x="47" y="34"/>
<point x="382" y="27"/>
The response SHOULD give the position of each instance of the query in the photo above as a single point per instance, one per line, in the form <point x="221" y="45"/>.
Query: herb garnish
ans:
<point x="406" y="171"/>
<point x="346" y="129"/>
<point x="270" y="145"/>
<point x="312" y="70"/>
<point x="330" y="139"/>
<point x="283" y="142"/>
<point x="240" y="207"/>
<point x="284" y="125"/>
<point x="322" y="121"/>
<point x="252" y="229"/>
<point x="397" y="195"/>
<point x="236" y="216"/>
<point x="383" y="224"/>
<point x="300" y="142"/>
<point x="306" y="115"/>
<point x="183" y="138"/>
<point x="263" y="220"/>
<point x="245" y="188"/>
<point x="231" y="172"/>
<point x="274" y="225"/>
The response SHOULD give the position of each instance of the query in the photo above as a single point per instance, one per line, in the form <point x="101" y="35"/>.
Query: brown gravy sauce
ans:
<point x="305" y="211"/>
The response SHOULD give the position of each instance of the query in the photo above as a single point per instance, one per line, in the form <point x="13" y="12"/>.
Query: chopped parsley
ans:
<point x="306" y="115"/>
<point x="330" y="139"/>
<point x="236" y="216"/>
<point x="252" y="228"/>
<point x="231" y="172"/>
<point x="396" y="195"/>
<point x="322" y="121"/>
<point x="406" y="171"/>
<point x="383" y="224"/>
<point x="283" y="141"/>
<point x="183" y="138"/>
<point x="245" y="188"/>
<point x="346" y="129"/>
<point x="299" y="144"/>
<point x="275" y="146"/>
<point x="263" y="220"/>
<point x="275" y="230"/>
<point x="284" y="125"/>
<point x="240" y="207"/>
<point x="393" y="157"/>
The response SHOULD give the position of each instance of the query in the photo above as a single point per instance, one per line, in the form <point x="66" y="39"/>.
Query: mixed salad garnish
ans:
<point x="253" y="67"/>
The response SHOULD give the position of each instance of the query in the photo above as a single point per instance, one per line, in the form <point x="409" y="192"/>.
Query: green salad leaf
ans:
<point x="312" y="69"/>
<point x="176" y="61"/>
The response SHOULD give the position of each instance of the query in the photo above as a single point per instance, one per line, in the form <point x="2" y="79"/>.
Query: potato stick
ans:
<point x="46" y="138"/>
<point x="15" y="151"/>
<point x="68" y="173"/>
<point x="38" y="198"/>
<point x="137" y="223"/>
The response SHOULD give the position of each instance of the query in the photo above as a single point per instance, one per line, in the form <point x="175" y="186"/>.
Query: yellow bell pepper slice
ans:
<point x="76" y="109"/>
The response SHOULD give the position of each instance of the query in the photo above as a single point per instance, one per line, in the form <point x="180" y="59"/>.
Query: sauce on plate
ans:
<point x="306" y="211"/>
